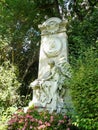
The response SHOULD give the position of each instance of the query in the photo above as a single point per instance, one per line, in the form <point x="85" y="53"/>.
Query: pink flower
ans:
<point x="21" y="121"/>
<point x="32" y="120"/>
<point x="61" y="121"/>
<point x="47" y="123"/>
<point x="31" y="127"/>
<point x="40" y="122"/>
<point x="65" y="117"/>
<point x="51" y="119"/>
<point x="41" y="127"/>
<point x="28" y="116"/>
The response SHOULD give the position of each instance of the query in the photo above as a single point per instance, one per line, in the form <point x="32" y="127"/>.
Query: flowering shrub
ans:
<point x="34" y="120"/>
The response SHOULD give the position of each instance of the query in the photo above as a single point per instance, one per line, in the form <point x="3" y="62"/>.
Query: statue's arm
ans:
<point x="49" y="77"/>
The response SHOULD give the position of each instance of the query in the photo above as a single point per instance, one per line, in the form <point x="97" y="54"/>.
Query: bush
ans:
<point x="8" y="92"/>
<point x="5" y="116"/>
<point x="84" y="87"/>
<point x="35" y="120"/>
<point x="8" y="85"/>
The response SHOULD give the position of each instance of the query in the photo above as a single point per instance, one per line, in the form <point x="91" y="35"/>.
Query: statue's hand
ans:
<point x="34" y="84"/>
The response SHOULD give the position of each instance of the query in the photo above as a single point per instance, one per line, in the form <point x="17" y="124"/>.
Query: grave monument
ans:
<point x="50" y="89"/>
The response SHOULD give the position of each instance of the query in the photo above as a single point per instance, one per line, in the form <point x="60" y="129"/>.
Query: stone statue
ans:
<point x="49" y="89"/>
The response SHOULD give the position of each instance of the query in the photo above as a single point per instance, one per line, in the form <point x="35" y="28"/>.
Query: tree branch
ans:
<point x="30" y="63"/>
<point x="77" y="11"/>
<point x="57" y="8"/>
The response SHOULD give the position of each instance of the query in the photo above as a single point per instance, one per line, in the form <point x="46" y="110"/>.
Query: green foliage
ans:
<point x="87" y="123"/>
<point x="82" y="34"/>
<point x="84" y="87"/>
<point x="38" y="121"/>
<point x="8" y="85"/>
<point x="9" y="97"/>
<point x="5" y="116"/>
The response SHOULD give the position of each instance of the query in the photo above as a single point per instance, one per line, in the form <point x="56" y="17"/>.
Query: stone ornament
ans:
<point x="53" y="25"/>
<point x="52" y="46"/>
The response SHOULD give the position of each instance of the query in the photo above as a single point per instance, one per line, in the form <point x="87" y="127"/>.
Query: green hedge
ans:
<point x="84" y="86"/>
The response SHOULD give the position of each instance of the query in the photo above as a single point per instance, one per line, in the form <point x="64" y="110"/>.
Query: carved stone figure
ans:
<point x="49" y="90"/>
